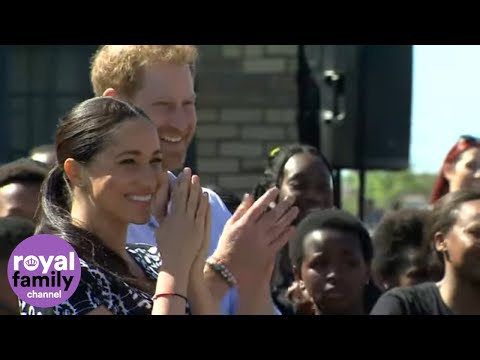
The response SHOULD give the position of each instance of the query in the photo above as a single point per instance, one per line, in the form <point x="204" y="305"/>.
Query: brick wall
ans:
<point x="247" y="100"/>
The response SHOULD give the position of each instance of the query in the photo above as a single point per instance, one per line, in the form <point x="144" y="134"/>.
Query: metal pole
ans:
<point x="361" y="194"/>
<point x="337" y="188"/>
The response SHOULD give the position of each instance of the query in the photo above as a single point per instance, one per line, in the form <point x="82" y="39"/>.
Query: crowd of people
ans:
<point x="152" y="239"/>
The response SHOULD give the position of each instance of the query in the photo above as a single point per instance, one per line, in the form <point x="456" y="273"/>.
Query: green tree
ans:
<point x="384" y="187"/>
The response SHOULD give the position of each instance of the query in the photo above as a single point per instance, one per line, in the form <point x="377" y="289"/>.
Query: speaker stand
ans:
<point x="361" y="193"/>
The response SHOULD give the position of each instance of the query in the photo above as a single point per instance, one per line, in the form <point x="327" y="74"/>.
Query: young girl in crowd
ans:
<point x="331" y="254"/>
<point x="454" y="230"/>
<point x="108" y="173"/>
<point x="403" y="257"/>
<point x="302" y="172"/>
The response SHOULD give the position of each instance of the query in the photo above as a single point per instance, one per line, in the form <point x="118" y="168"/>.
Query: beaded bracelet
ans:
<point x="223" y="271"/>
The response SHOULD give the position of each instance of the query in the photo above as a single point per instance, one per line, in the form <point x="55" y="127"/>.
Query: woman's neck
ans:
<point x="112" y="232"/>
<point x="459" y="294"/>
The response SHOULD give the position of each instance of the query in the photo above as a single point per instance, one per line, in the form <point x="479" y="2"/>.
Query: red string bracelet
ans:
<point x="157" y="296"/>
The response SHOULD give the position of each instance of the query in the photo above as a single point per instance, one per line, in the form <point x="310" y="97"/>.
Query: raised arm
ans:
<point x="247" y="248"/>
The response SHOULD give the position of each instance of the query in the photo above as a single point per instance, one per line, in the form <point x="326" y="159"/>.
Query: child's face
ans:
<point x="416" y="271"/>
<point x="334" y="271"/>
<point x="307" y="178"/>
<point x="411" y="268"/>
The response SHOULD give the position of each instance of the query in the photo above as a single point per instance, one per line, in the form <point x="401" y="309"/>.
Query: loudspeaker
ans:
<point x="365" y="104"/>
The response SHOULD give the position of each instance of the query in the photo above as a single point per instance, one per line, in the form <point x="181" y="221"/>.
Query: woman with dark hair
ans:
<point x="460" y="169"/>
<point x="454" y="230"/>
<point x="108" y="174"/>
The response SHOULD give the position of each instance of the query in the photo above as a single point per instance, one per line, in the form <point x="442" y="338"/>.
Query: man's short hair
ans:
<point x="121" y="66"/>
<point x="23" y="170"/>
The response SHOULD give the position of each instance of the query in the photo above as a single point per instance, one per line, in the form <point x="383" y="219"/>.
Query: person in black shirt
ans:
<point x="454" y="228"/>
<point x="421" y="299"/>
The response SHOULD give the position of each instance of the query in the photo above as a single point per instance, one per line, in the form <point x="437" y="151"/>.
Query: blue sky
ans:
<point x="446" y="101"/>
